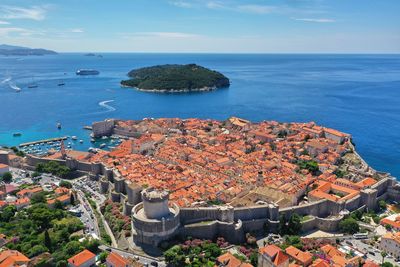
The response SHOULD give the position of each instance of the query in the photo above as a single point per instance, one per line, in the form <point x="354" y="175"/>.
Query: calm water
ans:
<point x="358" y="94"/>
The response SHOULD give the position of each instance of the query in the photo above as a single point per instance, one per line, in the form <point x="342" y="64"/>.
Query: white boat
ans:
<point x="87" y="72"/>
<point x="74" y="138"/>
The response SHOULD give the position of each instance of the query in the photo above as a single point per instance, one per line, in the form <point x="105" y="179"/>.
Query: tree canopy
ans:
<point x="175" y="77"/>
<point x="349" y="225"/>
<point x="7" y="177"/>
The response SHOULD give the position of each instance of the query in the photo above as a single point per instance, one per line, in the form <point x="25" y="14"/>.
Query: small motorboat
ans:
<point x="58" y="125"/>
<point x="103" y="145"/>
<point x="74" y="138"/>
<point x="81" y="141"/>
<point x="17" y="134"/>
<point x="61" y="83"/>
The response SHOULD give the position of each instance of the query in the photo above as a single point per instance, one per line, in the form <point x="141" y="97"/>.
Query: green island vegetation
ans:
<point x="54" y="168"/>
<point x="39" y="229"/>
<point x="190" y="77"/>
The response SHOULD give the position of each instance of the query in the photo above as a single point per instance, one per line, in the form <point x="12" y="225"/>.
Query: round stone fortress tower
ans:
<point x="155" y="204"/>
<point x="154" y="219"/>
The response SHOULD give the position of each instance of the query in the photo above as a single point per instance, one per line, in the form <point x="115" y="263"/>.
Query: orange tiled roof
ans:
<point x="10" y="258"/>
<point x="81" y="258"/>
<point x="116" y="260"/>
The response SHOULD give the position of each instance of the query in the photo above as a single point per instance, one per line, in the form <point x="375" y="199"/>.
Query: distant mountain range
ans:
<point x="11" y="50"/>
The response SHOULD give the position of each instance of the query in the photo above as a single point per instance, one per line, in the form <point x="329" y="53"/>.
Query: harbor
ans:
<point x="45" y="146"/>
<point x="57" y="139"/>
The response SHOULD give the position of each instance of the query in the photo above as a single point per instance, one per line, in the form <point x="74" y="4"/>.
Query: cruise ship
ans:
<point x="87" y="72"/>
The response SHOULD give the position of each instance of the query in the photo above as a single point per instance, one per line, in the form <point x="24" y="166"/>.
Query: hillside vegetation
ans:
<point x="189" y="77"/>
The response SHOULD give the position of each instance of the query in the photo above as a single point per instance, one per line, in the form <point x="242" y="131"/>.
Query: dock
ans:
<point x="44" y="141"/>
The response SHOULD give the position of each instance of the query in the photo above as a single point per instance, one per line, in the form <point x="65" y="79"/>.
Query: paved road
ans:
<point x="141" y="259"/>
<point x="88" y="217"/>
<point x="371" y="252"/>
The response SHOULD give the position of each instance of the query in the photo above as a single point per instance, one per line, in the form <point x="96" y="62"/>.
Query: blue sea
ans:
<point x="357" y="94"/>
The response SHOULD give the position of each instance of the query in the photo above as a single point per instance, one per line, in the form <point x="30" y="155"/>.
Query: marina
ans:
<point x="46" y="146"/>
<point x="57" y="139"/>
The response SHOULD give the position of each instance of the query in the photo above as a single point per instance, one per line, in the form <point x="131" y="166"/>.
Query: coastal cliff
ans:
<point x="10" y="50"/>
<point x="175" y="78"/>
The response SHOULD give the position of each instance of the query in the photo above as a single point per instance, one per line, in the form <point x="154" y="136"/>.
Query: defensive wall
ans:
<point x="231" y="222"/>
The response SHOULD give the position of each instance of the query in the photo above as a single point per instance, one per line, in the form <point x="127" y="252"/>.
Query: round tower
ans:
<point x="155" y="203"/>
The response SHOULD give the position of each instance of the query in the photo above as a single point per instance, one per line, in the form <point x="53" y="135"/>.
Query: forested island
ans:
<point x="11" y="50"/>
<point x="176" y="78"/>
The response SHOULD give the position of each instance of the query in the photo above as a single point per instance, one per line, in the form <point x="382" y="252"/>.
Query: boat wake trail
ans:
<point x="6" y="80"/>
<point x="14" y="86"/>
<point x="104" y="104"/>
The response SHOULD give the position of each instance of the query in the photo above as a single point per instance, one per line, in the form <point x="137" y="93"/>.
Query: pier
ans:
<point x="44" y="141"/>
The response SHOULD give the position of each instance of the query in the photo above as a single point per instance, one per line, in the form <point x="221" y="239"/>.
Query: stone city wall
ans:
<point x="210" y="222"/>
<point x="232" y="232"/>
<point x="103" y="128"/>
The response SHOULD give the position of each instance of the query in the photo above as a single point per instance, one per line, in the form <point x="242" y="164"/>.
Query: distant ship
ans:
<point x="61" y="83"/>
<point x="33" y="84"/>
<point x="87" y="72"/>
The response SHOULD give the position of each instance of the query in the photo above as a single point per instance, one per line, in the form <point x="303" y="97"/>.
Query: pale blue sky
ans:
<point x="239" y="26"/>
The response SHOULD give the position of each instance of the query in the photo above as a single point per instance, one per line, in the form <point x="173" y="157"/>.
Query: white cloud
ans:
<point x="183" y="4"/>
<point x="256" y="9"/>
<point x="11" y="30"/>
<point x="15" y="12"/>
<point x="215" y="5"/>
<point x="162" y="34"/>
<point x="3" y="22"/>
<point x="321" y="20"/>
<point x="77" y="30"/>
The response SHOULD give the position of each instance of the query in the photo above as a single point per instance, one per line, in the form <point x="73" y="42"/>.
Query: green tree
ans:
<point x="254" y="258"/>
<point x="383" y="254"/>
<point x="47" y="240"/>
<point x="295" y="241"/>
<point x="72" y="199"/>
<point x="58" y="205"/>
<point x="7" y="177"/>
<point x="103" y="256"/>
<point x="8" y="213"/>
<point x="310" y="165"/>
<point x="382" y="204"/>
<point x="349" y="225"/>
<point x="294" y="224"/>
<point x="35" y="174"/>
<point x="38" y="198"/>
<point x="282" y="225"/>
<point x="72" y="248"/>
<point x="36" y="250"/>
<point x="386" y="264"/>
<point x="66" y="184"/>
